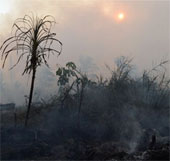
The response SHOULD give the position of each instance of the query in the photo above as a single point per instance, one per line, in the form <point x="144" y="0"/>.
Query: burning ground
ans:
<point x="118" y="118"/>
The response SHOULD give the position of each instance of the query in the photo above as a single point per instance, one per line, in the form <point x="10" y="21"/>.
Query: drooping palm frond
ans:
<point x="32" y="38"/>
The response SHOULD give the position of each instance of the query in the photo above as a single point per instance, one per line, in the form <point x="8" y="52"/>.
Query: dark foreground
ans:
<point x="19" y="143"/>
<point x="117" y="118"/>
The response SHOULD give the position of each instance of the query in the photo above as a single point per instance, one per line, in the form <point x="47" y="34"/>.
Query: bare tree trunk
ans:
<point x="15" y="118"/>
<point x="80" y="104"/>
<point x="30" y="97"/>
<point x="66" y="95"/>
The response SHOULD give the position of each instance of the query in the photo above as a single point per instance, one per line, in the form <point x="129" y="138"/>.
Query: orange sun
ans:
<point x="121" y="16"/>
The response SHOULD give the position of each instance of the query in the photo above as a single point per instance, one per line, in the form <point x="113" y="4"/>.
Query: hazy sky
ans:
<point x="92" y="28"/>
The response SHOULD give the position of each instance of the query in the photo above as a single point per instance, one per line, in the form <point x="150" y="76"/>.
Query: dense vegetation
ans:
<point x="97" y="118"/>
<point x="116" y="108"/>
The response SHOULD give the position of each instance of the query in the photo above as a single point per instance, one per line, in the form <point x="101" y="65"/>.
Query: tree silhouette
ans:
<point x="32" y="38"/>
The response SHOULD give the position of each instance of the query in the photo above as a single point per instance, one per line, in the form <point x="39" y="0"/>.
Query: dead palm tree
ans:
<point x="32" y="38"/>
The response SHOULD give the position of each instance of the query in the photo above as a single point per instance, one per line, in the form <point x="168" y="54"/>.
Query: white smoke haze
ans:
<point x="88" y="29"/>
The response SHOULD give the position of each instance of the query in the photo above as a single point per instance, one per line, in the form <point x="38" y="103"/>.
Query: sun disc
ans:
<point x="121" y="16"/>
